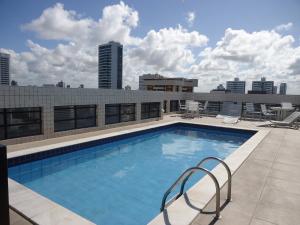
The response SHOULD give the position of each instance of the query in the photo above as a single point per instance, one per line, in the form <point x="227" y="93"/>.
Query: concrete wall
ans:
<point x="254" y="98"/>
<point x="48" y="97"/>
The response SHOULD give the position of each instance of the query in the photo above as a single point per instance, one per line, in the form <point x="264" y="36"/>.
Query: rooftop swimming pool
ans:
<point x="122" y="180"/>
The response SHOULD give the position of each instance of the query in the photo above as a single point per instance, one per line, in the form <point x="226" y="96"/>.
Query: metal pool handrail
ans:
<point x="187" y="174"/>
<point x="199" y="165"/>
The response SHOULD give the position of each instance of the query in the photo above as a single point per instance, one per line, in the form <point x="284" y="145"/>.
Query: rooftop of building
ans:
<point x="265" y="187"/>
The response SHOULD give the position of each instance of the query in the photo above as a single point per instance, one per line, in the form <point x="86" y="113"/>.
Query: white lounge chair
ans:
<point x="182" y="107"/>
<point x="230" y="120"/>
<point x="192" y="109"/>
<point x="289" y="122"/>
<point x="250" y="110"/>
<point x="202" y="109"/>
<point x="231" y="112"/>
<point x="266" y="113"/>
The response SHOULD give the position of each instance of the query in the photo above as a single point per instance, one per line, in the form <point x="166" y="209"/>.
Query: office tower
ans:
<point x="4" y="69"/>
<point x="110" y="65"/>
<point x="236" y="86"/>
<point x="156" y="82"/>
<point x="282" y="88"/>
<point x="263" y="86"/>
<point x="275" y="90"/>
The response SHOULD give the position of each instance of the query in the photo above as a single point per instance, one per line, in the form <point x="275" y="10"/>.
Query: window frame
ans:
<point x="5" y="112"/>
<point x="75" y="117"/>
<point x="119" y="114"/>
<point x="147" y="114"/>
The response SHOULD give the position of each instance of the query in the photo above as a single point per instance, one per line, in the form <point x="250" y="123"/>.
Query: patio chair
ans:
<point x="250" y="110"/>
<point x="266" y="114"/>
<point x="182" y="107"/>
<point x="202" y="109"/>
<point x="230" y="112"/>
<point x="289" y="122"/>
<point x="192" y="109"/>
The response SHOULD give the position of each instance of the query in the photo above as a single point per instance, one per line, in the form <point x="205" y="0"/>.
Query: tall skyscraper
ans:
<point x="4" y="69"/>
<point x="110" y="65"/>
<point x="264" y="86"/>
<point x="236" y="86"/>
<point x="282" y="88"/>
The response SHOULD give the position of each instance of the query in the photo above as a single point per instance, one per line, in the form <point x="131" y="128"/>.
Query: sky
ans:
<point x="210" y="40"/>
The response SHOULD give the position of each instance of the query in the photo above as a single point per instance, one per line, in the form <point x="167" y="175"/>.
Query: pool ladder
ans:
<point x="183" y="178"/>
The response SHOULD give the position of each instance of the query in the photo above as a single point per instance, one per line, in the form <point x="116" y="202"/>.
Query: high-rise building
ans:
<point x="275" y="90"/>
<point x="282" y="88"/>
<point x="236" y="86"/>
<point x="264" y="86"/>
<point x="4" y="69"/>
<point x="156" y="82"/>
<point x="110" y="65"/>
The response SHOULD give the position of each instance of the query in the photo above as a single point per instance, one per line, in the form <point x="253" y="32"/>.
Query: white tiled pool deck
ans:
<point x="265" y="190"/>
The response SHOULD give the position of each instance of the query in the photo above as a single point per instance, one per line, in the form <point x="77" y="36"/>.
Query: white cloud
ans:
<point x="250" y="56"/>
<point x="190" y="18"/>
<point x="167" y="50"/>
<point x="170" y="51"/>
<point x="284" y="27"/>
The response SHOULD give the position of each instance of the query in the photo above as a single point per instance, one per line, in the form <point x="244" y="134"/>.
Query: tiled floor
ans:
<point x="266" y="188"/>
<point x="16" y="219"/>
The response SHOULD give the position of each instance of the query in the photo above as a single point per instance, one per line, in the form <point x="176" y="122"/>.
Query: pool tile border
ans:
<point x="39" y="153"/>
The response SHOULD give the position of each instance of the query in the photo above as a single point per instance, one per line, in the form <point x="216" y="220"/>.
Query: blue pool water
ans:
<point x="123" y="182"/>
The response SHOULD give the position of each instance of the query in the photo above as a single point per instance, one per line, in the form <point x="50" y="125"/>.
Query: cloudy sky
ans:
<point x="210" y="40"/>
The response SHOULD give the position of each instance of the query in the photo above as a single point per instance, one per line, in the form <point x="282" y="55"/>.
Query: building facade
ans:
<point x="282" y="88"/>
<point x="156" y="82"/>
<point x="236" y="86"/>
<point x="110" y="65"/>
<point x="264" y="86"/>
<point x="4" y="69"/>
<point x="36" y="113"/>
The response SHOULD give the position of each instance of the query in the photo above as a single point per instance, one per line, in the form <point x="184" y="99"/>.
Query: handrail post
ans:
<point x="4" y="206"/>
<point x="227" y="170"/>
<point x="186" y="174"/>
<point x="199" y="165"/>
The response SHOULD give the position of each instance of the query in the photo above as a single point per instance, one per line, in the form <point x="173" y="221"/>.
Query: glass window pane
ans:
<point x="64" y="125"/>
<point x="128" y="117"/>
<point x="23" y="130"/>
<point x="22" y="117"/>
<point x="2" y="134"/>
<point x="63" y="113"/>
<point x="112" y="109"/>
<point x="1" y="119"/>
<point x="84" y="112"/>
<point x="112" y="119"/>
<point x="82" y="123"/>
<point x="150" y="110"/>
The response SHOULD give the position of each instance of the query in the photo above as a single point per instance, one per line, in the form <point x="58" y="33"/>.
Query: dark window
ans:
<point x="174" y="106"/>
<point x="20" y="122"/>
<point x="150" y="110"/>
<point x="74" y="117"/>
<point x="117" y="113"/>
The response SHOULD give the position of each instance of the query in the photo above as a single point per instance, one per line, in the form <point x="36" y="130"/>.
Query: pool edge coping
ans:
<point x="200" y="194"/>
<point x="67" y="216"/>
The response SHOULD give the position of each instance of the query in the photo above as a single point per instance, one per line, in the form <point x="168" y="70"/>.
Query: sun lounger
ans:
<point x="230" y="113"/>
<point x="289" y="122"/>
